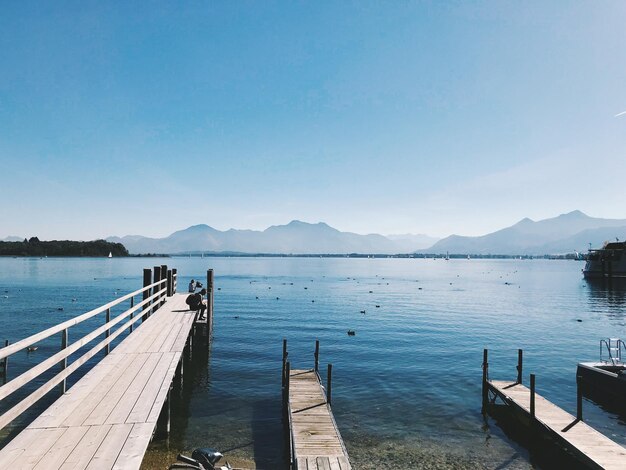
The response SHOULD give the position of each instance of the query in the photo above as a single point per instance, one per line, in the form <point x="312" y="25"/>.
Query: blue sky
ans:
<point x="144" y="118"/>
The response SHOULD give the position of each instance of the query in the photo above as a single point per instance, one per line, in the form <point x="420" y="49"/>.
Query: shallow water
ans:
<point x="406" y="387"/>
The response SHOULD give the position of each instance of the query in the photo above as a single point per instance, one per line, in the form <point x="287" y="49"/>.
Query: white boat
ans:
<point x="606" y="262"/>
<point x="110" y="254"/>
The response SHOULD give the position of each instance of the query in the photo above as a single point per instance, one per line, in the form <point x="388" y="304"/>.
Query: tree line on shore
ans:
<point x="35" y="247"/>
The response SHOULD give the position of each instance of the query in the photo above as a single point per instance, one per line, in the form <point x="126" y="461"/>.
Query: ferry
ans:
<point x="607" y="262"/>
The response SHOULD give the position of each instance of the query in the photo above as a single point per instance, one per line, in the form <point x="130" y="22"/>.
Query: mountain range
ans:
<point x="563" y="234"/>
<point x="566" y="233"/>
<point x="294" y="238"/>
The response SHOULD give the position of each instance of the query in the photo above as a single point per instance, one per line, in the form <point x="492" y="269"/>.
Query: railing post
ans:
<point x="519" y="365"/>
<point x="107" y="348"/>
<point x="532" y="396"/>
<point x="329" y="384"/>
<point x="284" y="360"/>
<point x="174" y="280"/>
<point x="579" y="399"/>
<point x="163" y="286"/>
<point x="132" y="304"/>
<point x="317" y="355"/>
<point x="64" y="344"/>
<point x="157" y="277"/>
<point x="5" y="364"/>
<point x="485" y="389"/>
<point x="170" y="291"/>
<point x="147" y="280"/>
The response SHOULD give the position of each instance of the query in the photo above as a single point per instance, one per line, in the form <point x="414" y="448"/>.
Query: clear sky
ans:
<point x="122" y="118"/>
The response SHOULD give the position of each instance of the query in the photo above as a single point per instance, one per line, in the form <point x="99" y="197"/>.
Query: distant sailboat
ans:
<point x="110" y="254"/>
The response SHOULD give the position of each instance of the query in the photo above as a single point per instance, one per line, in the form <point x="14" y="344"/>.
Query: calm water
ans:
<point x="406" y="388"/>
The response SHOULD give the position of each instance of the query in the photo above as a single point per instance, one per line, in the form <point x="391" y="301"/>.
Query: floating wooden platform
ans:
<point x="316" y="442"/>
<point x="107" y="419"/>
<point x="590" y="446"/>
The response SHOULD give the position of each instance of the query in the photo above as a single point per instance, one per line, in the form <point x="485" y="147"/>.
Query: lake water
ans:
<point x="406" y="387"/>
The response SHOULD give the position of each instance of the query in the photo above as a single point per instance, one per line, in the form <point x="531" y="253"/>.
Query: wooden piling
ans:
<point x="147" y="280"/>
<point x="157" y="277"/>
<point x="579" y="399"/>
<point x="163" y="421"/>
<point x="329" y="384"/>
<point x="532" y="396"/>
<point x="485" y="386"/>
<point x="175" y="280"/>
<point x="170" y="287"/>
<point x="164" y="287"/>
<point x="317" y="355"/>
<point x="209" y="295"/>
<point x="519" y="365"/>
<point x="284" y="360"/>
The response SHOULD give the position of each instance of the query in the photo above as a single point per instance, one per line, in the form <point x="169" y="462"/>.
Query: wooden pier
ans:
<point x="542" y="417"/>
<point x="108" y="418"/>
<point x="313" y="437"/>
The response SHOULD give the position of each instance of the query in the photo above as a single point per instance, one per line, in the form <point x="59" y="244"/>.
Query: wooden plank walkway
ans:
<point x="594" y="448"/>
<point x="107" y="419"/>
<point x="317" y="443"/>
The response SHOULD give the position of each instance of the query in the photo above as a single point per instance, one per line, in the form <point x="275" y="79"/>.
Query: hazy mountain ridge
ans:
<point x="296" y="237"/>
<point x="563" y="234"/>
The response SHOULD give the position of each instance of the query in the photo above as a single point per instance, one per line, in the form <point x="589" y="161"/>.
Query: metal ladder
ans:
<point x="613" y="348"/>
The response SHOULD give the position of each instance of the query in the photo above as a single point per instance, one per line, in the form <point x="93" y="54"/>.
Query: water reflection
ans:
<point x="608" y="296"/>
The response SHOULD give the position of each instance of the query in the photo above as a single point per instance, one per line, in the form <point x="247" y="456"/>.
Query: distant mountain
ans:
<point x="563" y="234"/>
<point x="410" y="242"/>
<point x="13" y="239"/>
<point x="294" y="238"/>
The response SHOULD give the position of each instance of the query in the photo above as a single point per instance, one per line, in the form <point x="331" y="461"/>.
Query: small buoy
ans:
<point x="306" y="287"/>
<point x="219" y="288"/>
<point x="276" y="298"/>
<point x="6" y="296"/>
<point x="257" y="297"/>
<point x="419" y="288"/>
<point x="73" y="300"/>
<point x="32" y="348"/>
<point x="60" y="309"/>
<point x="269" y="287"/>
<point x="351" y="332"/>
<point x="371" y="292"/>
<point x="378" y="306"/>
<point x="236" y="317"/>
<point x="579" y="320"/>
<point x="312" y="300"/>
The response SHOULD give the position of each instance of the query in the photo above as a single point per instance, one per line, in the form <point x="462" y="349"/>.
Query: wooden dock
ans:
<point x="314" y="439"/>
<point x="108" y="418"/>
<point x="586" y="444"/>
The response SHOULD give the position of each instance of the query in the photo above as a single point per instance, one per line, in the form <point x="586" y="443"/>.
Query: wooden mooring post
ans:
<point x="209" y="299"/>
<point x="520" y="356"/>
<point x="485" y="389"/>
<point x="147" y="280"/>
<point x="156" y="303"/>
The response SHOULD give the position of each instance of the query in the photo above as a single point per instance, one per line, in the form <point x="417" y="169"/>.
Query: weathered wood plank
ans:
<point x="316" y="438"/>
<point x="82" y="454"/>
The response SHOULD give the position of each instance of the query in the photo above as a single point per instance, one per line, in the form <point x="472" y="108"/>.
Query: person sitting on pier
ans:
<point x="192" y="286"/>
<point x="196" y="302"/>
